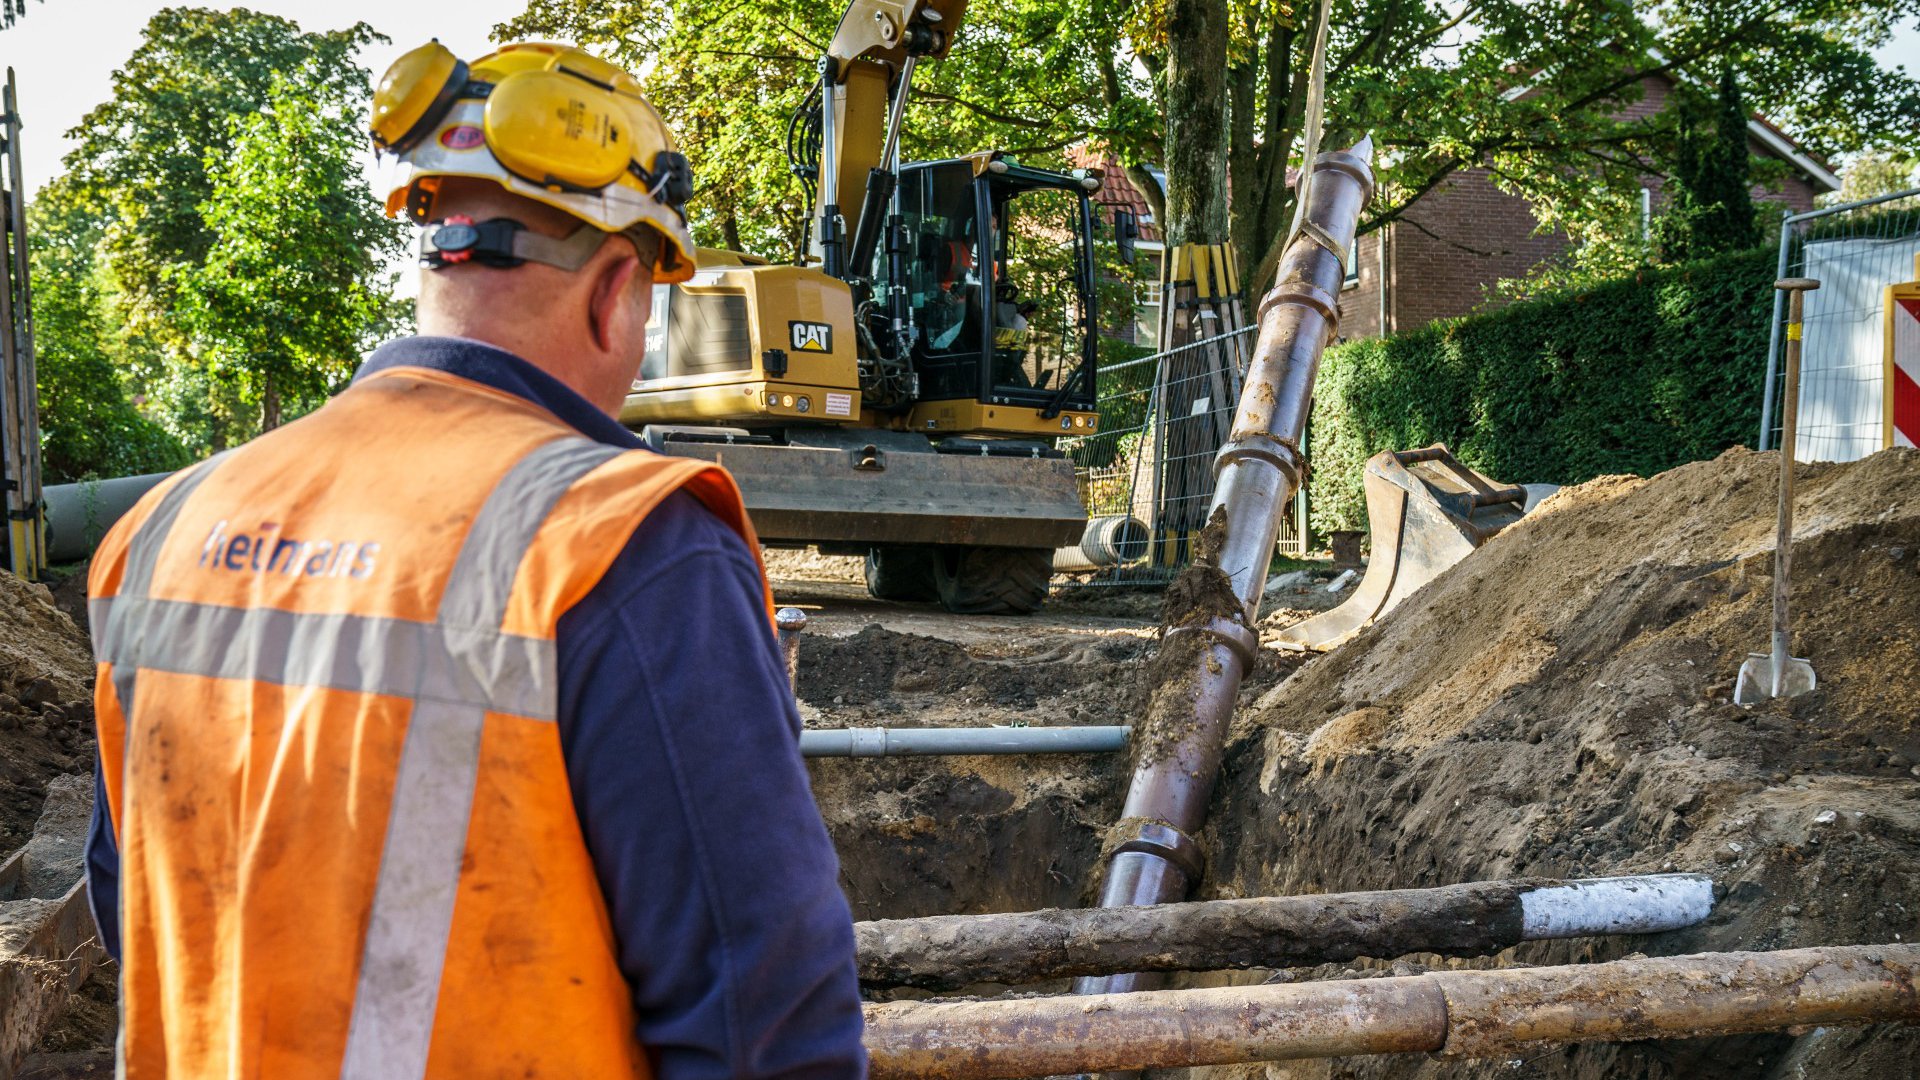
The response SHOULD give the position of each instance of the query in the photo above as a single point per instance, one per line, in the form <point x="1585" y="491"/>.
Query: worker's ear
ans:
<point x="610" y="307"/>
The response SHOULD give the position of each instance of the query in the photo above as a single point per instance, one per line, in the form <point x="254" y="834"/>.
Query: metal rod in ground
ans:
<point x="920" y="742"/>
<point x="789" y="623"/>
<point x="1497" y="1013"/>
<point x="948" y="952"/>
<point x="1208" y="644"/>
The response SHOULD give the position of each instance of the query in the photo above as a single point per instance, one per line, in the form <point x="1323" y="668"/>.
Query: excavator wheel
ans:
<point x="991" y="580"/>
<point x="901" y="573"/>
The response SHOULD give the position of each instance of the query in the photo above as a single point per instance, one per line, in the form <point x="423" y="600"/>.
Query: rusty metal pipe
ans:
<point x="1496" y="1013"/>
<point x="789" y="623"/>
<point x="1209" y="644"/>
<point x="950" y="952"/>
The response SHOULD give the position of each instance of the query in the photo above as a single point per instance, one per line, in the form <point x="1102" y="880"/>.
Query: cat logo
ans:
<point x="811" y="336"/>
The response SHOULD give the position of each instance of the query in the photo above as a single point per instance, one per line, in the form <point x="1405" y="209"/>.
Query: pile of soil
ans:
<point x="46" y="704"/>
<point x="1559" y="704"/>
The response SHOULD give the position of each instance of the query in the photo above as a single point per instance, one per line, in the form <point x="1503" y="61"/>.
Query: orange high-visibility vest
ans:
<point x="326" y="705"/>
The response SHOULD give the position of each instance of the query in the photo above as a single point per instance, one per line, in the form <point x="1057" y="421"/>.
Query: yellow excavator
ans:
<point x="899" y="393"/>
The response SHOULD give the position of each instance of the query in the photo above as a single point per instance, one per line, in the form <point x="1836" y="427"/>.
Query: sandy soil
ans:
<point x="46" y="704"/>
<point x="1559" y="705"/>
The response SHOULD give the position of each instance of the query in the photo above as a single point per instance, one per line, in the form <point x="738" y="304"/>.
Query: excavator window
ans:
<point x="1037" y="317"/>
<point x="946" y="287"/>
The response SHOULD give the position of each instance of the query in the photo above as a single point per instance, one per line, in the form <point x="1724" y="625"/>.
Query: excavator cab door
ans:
<point x="998" y="276"/>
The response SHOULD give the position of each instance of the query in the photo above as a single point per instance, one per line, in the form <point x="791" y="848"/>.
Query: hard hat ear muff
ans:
<point x="670" y="179"/>
<point x="415" y="95"/>
<point x="559" y="130"/>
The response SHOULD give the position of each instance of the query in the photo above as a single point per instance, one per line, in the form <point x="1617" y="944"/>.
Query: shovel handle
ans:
<point x="1796" y="290"/>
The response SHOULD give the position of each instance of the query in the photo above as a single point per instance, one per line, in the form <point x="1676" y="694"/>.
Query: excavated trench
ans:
<point x="1558" y="705"/>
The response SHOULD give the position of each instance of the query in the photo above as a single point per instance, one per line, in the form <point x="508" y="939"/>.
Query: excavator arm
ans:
<point x="888" y="31"/>
<point x="865" y="78"/>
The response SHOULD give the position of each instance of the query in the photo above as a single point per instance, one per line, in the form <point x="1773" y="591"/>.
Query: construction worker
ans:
<point x="443" y="731"/>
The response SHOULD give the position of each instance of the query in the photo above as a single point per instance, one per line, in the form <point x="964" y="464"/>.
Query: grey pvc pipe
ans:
<point x="78" y="515"/>
<point x="921" y="742"/>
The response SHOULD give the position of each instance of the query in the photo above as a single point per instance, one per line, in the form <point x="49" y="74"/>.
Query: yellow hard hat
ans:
<point x="550" y="123"/>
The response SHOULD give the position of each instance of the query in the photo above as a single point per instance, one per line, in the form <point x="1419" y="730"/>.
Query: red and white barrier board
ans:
<point x="1901" y="391"/>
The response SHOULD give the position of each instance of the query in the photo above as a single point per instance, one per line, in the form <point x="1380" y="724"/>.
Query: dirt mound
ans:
<point x="1559" y="705"/>
<point x="46" y="704"/>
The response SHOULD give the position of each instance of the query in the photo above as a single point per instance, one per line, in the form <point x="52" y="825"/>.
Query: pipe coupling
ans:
<point x="1243" y="642"/>
<point x="1353" y="165"/>
<point x="1305" y="294"/>
<point x="867" y="742"/>
<point x="1159" y="839"/>
<point x="1281" y="453"/>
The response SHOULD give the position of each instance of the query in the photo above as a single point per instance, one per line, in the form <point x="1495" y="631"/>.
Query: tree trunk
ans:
<point x="269" y="404"/>
<point x="1197" y="135"/>
<point x="730" y="231"/>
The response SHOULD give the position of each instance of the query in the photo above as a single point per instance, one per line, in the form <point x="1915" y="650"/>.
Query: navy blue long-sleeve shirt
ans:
<point x="681" y="742"/>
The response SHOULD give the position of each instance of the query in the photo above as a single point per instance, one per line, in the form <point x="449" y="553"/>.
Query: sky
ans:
<point x="64" y="52"/>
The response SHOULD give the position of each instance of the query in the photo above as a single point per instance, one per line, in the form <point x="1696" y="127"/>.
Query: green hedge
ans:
<point x="1634" y="376"/>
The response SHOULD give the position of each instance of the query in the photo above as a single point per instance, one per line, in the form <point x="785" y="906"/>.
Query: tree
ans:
<point x="145" y="162"/>
<point x="1872" y="175"/>
<point x="89" y="426"/>
<point x="294" y="287"/>
<point x="1197" y="141"/>
<point x="1712" y="208"/>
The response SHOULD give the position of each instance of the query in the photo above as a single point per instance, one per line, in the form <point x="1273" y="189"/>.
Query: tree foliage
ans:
<point x="294" y="287"/>
<point x="1878" y="173"/>
<point x="1540" y="92"/>
<point x="1711" y="212"/>
<point x="90" y="427"/>
<point x="218" y="184"/>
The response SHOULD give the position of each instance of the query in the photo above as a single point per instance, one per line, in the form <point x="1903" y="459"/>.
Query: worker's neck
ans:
<point x="577" y="364"/>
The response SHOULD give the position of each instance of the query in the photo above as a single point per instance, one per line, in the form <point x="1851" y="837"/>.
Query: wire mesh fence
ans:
<point x="1162" y="419"/>
<point x="1855" y="251"/>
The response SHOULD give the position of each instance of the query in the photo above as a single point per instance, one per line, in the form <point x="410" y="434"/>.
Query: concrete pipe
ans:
<point x="78" y="515"/>
<point x="1108" y="541"/>
<point x="920" y="742"/>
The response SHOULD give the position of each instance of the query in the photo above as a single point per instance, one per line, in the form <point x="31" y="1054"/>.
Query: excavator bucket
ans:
<point x="1427" y="511"/>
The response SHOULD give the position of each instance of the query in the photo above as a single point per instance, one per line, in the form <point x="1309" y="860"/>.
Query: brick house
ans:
<point x="1443" y="255"/>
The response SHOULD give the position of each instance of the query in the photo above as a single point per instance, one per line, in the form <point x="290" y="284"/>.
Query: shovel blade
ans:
<point x="1760" y="680"/>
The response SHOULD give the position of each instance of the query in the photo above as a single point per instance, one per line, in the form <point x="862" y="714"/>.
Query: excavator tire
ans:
<point x="992" y="580"/>
<point x="901" y="573"/>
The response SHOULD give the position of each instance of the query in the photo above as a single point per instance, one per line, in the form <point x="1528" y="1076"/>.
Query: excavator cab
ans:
<point x="996" y="280"/>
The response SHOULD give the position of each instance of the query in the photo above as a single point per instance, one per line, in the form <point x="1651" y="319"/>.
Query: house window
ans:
<point x="1353" y="265"/>
<point x="1146" y="294"/>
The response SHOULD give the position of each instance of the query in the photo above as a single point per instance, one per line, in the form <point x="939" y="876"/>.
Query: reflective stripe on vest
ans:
<point x="455" y="670"/>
